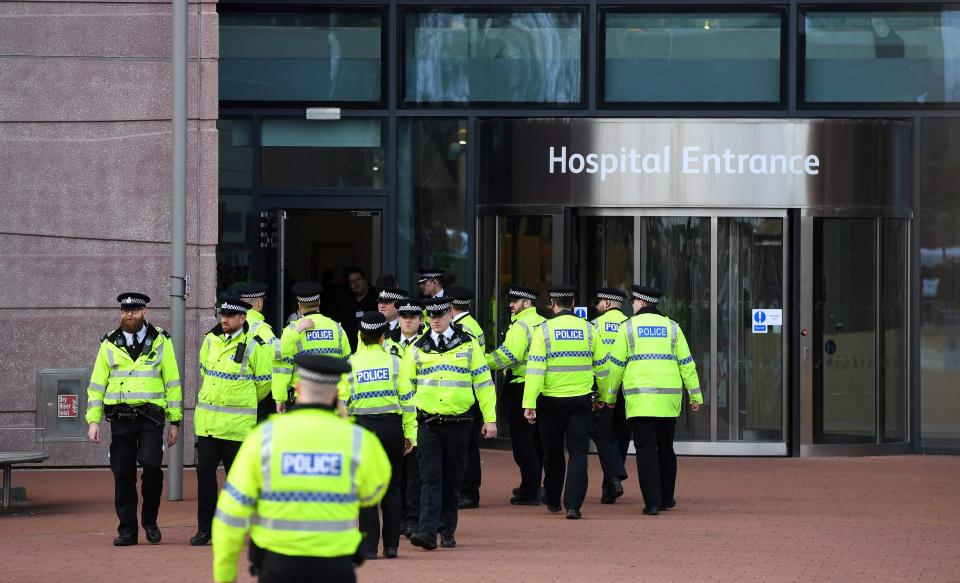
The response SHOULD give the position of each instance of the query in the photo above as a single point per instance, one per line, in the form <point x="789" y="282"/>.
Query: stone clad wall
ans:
<point x="85" y="183"/>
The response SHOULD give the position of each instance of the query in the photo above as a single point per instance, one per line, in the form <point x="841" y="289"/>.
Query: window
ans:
<point x="346" y="153"/>
<point x="432" y="212"/>
<point x="493" y="57"/>
<point x="882" y="57"/>
<point x="692" y="57"/>
<point x="296" y="56"/>
<point x="236" y="153"/>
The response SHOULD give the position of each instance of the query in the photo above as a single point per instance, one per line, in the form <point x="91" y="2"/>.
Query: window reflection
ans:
<point x="236" y="153"/>
<point x="432" y="199"/>
<point x="326" y="56"/>
<point x="896" y="57"/>
<point x="522" y="57"/>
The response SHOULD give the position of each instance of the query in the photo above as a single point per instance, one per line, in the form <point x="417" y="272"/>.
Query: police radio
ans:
<point x="238" y="355"/>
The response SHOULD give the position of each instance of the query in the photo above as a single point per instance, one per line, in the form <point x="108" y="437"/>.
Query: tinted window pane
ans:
<point x="238" y="240"/>
<point x="895" y="57"/>
<point x="236" y="153"/>
<point x="323" y="154"/>
<point x="330" y="56"/>
<point x="939" y="232"/>
<point x="692" y="57"/>
<point x="432" y="199"/>
<point x="531" y="57"/>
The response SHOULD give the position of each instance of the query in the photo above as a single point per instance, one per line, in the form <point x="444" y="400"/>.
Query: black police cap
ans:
<point x="392" y="294"/>
<point x="233" y="305"/>
<point x="651" y="295"/>
<point x="321" y="369"/>
<point x="307" y="291"/>
<point x="436" y="306"/>
<point x="459" y="296"/>
<point x="408" y="306"/>
<point x="373" y="322"/>
<point x="518" y="292"/>
<point x="253" y="291"/>
<point x="133" y="300"/>
<point x="610" y="293"/>
<point x="430" y="273"/>
<point x="562" y="292"/>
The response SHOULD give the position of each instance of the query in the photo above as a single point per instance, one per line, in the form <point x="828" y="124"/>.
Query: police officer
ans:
<point x="235" y="371"/>
<point x="658" y="367"/>
<point x="410" y="329"/>
<point x="255" y="294"/>
<point x="460" y="298"/>
<point x="371" y="394"/>
<point x="448" y="369"/>
<point x="312" y="333"/>
<point x="297" y="484"/>
<point x="609" y="303"/>
<point x="135" y="381"/>
<point x="512" y="355"/>
<point x="431" y="282"/>
<point x="564" y="360"/>
<point x="386" y="305"/>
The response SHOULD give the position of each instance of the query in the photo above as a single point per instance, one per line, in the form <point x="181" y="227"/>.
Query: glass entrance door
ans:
<point x="724" y="279"/>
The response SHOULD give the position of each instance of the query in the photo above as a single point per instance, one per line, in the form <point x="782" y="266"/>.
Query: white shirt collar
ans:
<point x="439" y="294"/>
<point x="129" y="337"/>
<point x="447" y="334"/>
<point x="228" y="337"/>
<point x="394" y="324"/>
<point x="460" y="316"/>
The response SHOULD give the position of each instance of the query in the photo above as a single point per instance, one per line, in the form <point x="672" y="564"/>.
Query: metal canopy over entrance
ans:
<point x="781" y="246"/>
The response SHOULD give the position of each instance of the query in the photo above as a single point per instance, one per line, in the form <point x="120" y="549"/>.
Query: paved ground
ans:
<point x="844" y="519"/>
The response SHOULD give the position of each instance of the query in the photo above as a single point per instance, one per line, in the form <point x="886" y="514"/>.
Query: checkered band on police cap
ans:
<point x="374" y="322"/>
<point x="651" y="295"/>
<point x="234" y="307"/>
<point x="430" y="273"/>
<point x="408" y="306"/>
<point x="436" y="305"/>
<point x="133" y="300"/>
<point x="562" y="292"/>
<point x="392" y="294"/>
<point x="609" y="293"/>
<point x="522" y="293"/>
<point x="325" y="370"/>
<point x="307" y="292"/>
<point x="253" y="291"/>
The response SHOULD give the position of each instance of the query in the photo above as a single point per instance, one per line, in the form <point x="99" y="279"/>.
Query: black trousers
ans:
<point x="210" y="452"/>
<point x="525" y="442"/>
<point x="564" y="421"/>
<point x="389" y="430"/>
<point x="132" y="442"/>
<point x="621" y="429"/>
<point x="656" y="460"/>
<point x="443" y="456"/>
<point x="410" y="487"/>
<point x="470" y="487"/>
<point x="265" y="408"/>
<point x="601" y="431"/>
<point x="277" y="568"/>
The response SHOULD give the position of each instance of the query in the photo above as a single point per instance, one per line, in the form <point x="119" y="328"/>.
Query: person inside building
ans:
<point x="430" y="281"/>
<point x="136" y="384"/>
<point x="565" y="360"/>
<point x="655" y="365"/>
<point x="312" y="333"/>
<point x="351" y="305"/>
<point x="255" y="294"/>
<point x="297" y="486"/>
<point x="512" y="356"/>
<point x="387" y="305"/>
<point x="235" y="373"/>
<point x="372" y="395"/>
<point x="609" y="302"/>
<point x="448" y="369"/>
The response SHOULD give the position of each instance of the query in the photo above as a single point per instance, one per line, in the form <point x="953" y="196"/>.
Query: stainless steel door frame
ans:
<point x="808" y="352"/>
<point x="726" y="447"/>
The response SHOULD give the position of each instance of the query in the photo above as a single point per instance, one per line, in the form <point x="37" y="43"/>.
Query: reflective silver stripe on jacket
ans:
<point x="306" y="525"/>
<point x="546" y="337"/>
<point x="251" y="344"/>
<point x="355" y="460"/>
<point x="110" y="359"/>
<point x="652" y="391"/>
<point x="94" y="403"/>
<point x="444" y="383"/>
<point x="694" y="391"/>
<point x="631" y="341"/>
<point x="282" y="370"/>
<point x="171" y="404"/>
<point x="231" y="519"/>
<point x="265" y="453"/>
<point x="277" y="354"/>
<point x="570" y="368"/>
<point x="137" y="395"/>
<point x="485" y="384"/>
<point x="256" y="326"/>
<point x="396" y="373"/>
<point x="97" y="386"/>
<point x="590" y="339"/>
<point x="375" y="410"/>
<point x="226" y="409"/>
<point x="172" y="384"/>
<point x="366" y="499"/>
<point x="673" y="337"/>
<point x="147" y="374"/>
<point x="528" y="331"/>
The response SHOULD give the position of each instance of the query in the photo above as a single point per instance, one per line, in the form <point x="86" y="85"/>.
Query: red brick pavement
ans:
<point x="842" y="519"/>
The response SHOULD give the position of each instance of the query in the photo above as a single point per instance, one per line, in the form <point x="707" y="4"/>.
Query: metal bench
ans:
<point x="7" y="459"/>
